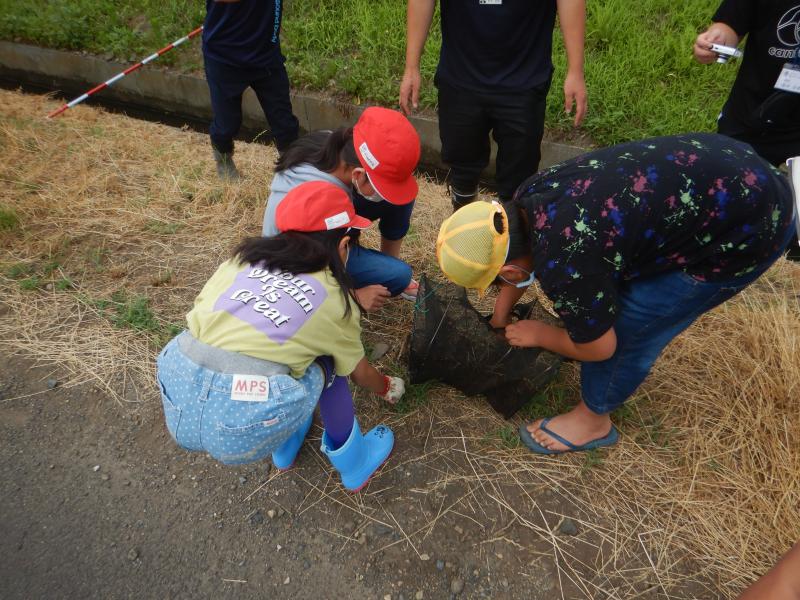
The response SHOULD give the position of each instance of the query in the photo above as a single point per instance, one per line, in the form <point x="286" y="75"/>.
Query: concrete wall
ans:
<point x="186" y="96"/>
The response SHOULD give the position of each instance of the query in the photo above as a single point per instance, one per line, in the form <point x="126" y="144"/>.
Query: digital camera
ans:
<point x="725" y="52"/>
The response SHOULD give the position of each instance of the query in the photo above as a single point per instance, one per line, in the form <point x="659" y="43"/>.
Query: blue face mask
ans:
<point x="519" y="284"/>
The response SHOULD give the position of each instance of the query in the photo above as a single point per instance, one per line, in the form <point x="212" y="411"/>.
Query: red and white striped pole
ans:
<point x="119" y="76"/>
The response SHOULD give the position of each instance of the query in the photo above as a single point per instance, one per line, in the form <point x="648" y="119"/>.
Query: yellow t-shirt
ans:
<point x="278" y="316"/>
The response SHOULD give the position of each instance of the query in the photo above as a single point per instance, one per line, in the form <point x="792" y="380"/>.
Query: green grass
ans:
<point x="19" y="270"/>
<point x="163" y="228"/>
<point x="641" y="77"/>
<point x="550" y="402"/>
<point x="9" y="220"/>
<point x="416" y="396"/>
<point x="30" y="283"/>
<point x="133" y="311"/>
<point x="96" y="256"/>
<point x="506" y="436"/>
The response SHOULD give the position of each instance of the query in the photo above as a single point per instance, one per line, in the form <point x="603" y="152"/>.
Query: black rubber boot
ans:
<point x="226" y="168"/>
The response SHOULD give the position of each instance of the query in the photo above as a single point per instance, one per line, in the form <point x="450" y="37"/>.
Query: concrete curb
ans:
<point x="186" y="96"/>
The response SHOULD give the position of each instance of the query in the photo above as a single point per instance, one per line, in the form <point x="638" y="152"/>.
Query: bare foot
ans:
<point x="580" y="426"/>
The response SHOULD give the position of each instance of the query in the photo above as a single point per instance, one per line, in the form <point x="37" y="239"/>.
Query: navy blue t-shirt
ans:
<point x="496" y="45"/>
<point x="244" y="33"/>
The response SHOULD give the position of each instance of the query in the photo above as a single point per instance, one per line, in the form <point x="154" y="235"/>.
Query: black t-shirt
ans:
<point x="496" y="45"/>
<point x="773" y="39"/>
<point x="702" y="203"/>
<point x="243" y="34"/>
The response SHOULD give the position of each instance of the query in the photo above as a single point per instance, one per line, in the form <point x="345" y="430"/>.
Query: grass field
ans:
<point x="641" y="78"/>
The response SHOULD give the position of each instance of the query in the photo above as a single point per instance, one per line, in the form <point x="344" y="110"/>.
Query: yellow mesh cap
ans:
<point x="469" y="249"/>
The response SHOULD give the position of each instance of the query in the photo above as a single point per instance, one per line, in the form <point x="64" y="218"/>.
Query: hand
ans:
<point x="718" y="33"/>
<point x="372" y="297"/>
<point x="524" y="334"/>
<point x="395" y="388"/>
<point x="409" y="90"/>
<point x="575" y="94"/>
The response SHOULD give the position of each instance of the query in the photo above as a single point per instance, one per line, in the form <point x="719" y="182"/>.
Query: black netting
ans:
<point x="453" y="343"/>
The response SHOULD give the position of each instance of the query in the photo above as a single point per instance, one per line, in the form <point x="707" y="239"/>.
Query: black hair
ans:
<point x="321" y="149"/>
<point x="518" y="235"/>
<point x="300" y="252"/>
<point x="498" y="223"/>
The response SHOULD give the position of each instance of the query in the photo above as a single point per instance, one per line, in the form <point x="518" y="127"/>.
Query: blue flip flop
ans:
<point x="536" y="447"/>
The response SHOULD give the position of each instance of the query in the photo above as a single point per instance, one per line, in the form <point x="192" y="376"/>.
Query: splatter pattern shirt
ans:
<point x="702" y="203"/>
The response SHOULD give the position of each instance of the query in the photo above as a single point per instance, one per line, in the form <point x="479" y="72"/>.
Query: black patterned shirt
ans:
<point x="702" y="203"/>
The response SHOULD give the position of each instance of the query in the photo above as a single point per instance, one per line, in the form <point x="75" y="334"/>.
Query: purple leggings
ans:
<point x="336" y="405"/>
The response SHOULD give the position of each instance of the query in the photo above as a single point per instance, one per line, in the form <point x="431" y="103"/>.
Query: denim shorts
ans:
<point x="201" y="416"/>
<point x="369" y="267"/>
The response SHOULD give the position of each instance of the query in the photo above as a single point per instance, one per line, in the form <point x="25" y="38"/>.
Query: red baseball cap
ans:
<point x="317" y="206"/>
<point x="387" y="146"/>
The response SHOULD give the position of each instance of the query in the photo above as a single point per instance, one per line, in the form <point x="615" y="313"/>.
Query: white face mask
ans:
<point x="520" y="284"/>
<point x="376" y="197"/>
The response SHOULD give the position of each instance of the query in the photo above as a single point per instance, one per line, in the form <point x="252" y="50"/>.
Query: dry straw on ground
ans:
<point x="704" y="487"/>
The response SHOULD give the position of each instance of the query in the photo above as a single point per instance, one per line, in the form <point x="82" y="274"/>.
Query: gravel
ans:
<point x="567" y="527"/>
<point x="457" y="586"/>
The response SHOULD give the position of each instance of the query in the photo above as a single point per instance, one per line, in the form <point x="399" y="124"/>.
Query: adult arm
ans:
<point x="717" y="33"/>
<point x="572" y="16"/>
<point x="535" y="334"/>
<point x="731" y="23"/>
<point x="419" y="15"/>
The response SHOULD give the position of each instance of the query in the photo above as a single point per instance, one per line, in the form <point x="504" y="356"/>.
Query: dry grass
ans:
<point x="703" y="489"/>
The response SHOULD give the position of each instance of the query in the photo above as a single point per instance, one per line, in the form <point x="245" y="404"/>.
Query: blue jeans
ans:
<point x="369" y="267"/>
<point x="652" y="311"/>
<point x="201" y="415"/>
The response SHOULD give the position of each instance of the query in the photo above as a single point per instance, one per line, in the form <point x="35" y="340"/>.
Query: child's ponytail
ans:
<point x="321" y="149"/>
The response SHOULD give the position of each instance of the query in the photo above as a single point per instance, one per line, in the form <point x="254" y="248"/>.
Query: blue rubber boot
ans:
<point x="361" y="455"/>
<point x="283" y="457"/>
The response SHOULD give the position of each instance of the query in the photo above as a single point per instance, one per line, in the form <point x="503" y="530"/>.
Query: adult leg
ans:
<point x="272" y="91"/>
<point x="517" y="127"/>
<point x="464" y="132"/>
<point x="226" y="84"/>
<point x="370" y="267"/>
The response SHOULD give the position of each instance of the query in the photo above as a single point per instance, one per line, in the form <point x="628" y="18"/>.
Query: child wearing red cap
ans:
<point x="374" y="163"/>
<point x="273" y="333"/>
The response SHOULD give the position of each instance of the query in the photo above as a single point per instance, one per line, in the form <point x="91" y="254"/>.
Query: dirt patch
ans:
<point x="98" y="502"/>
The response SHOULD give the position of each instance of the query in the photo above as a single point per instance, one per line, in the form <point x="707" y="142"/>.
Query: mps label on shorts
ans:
<point x="250" y="388"/>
